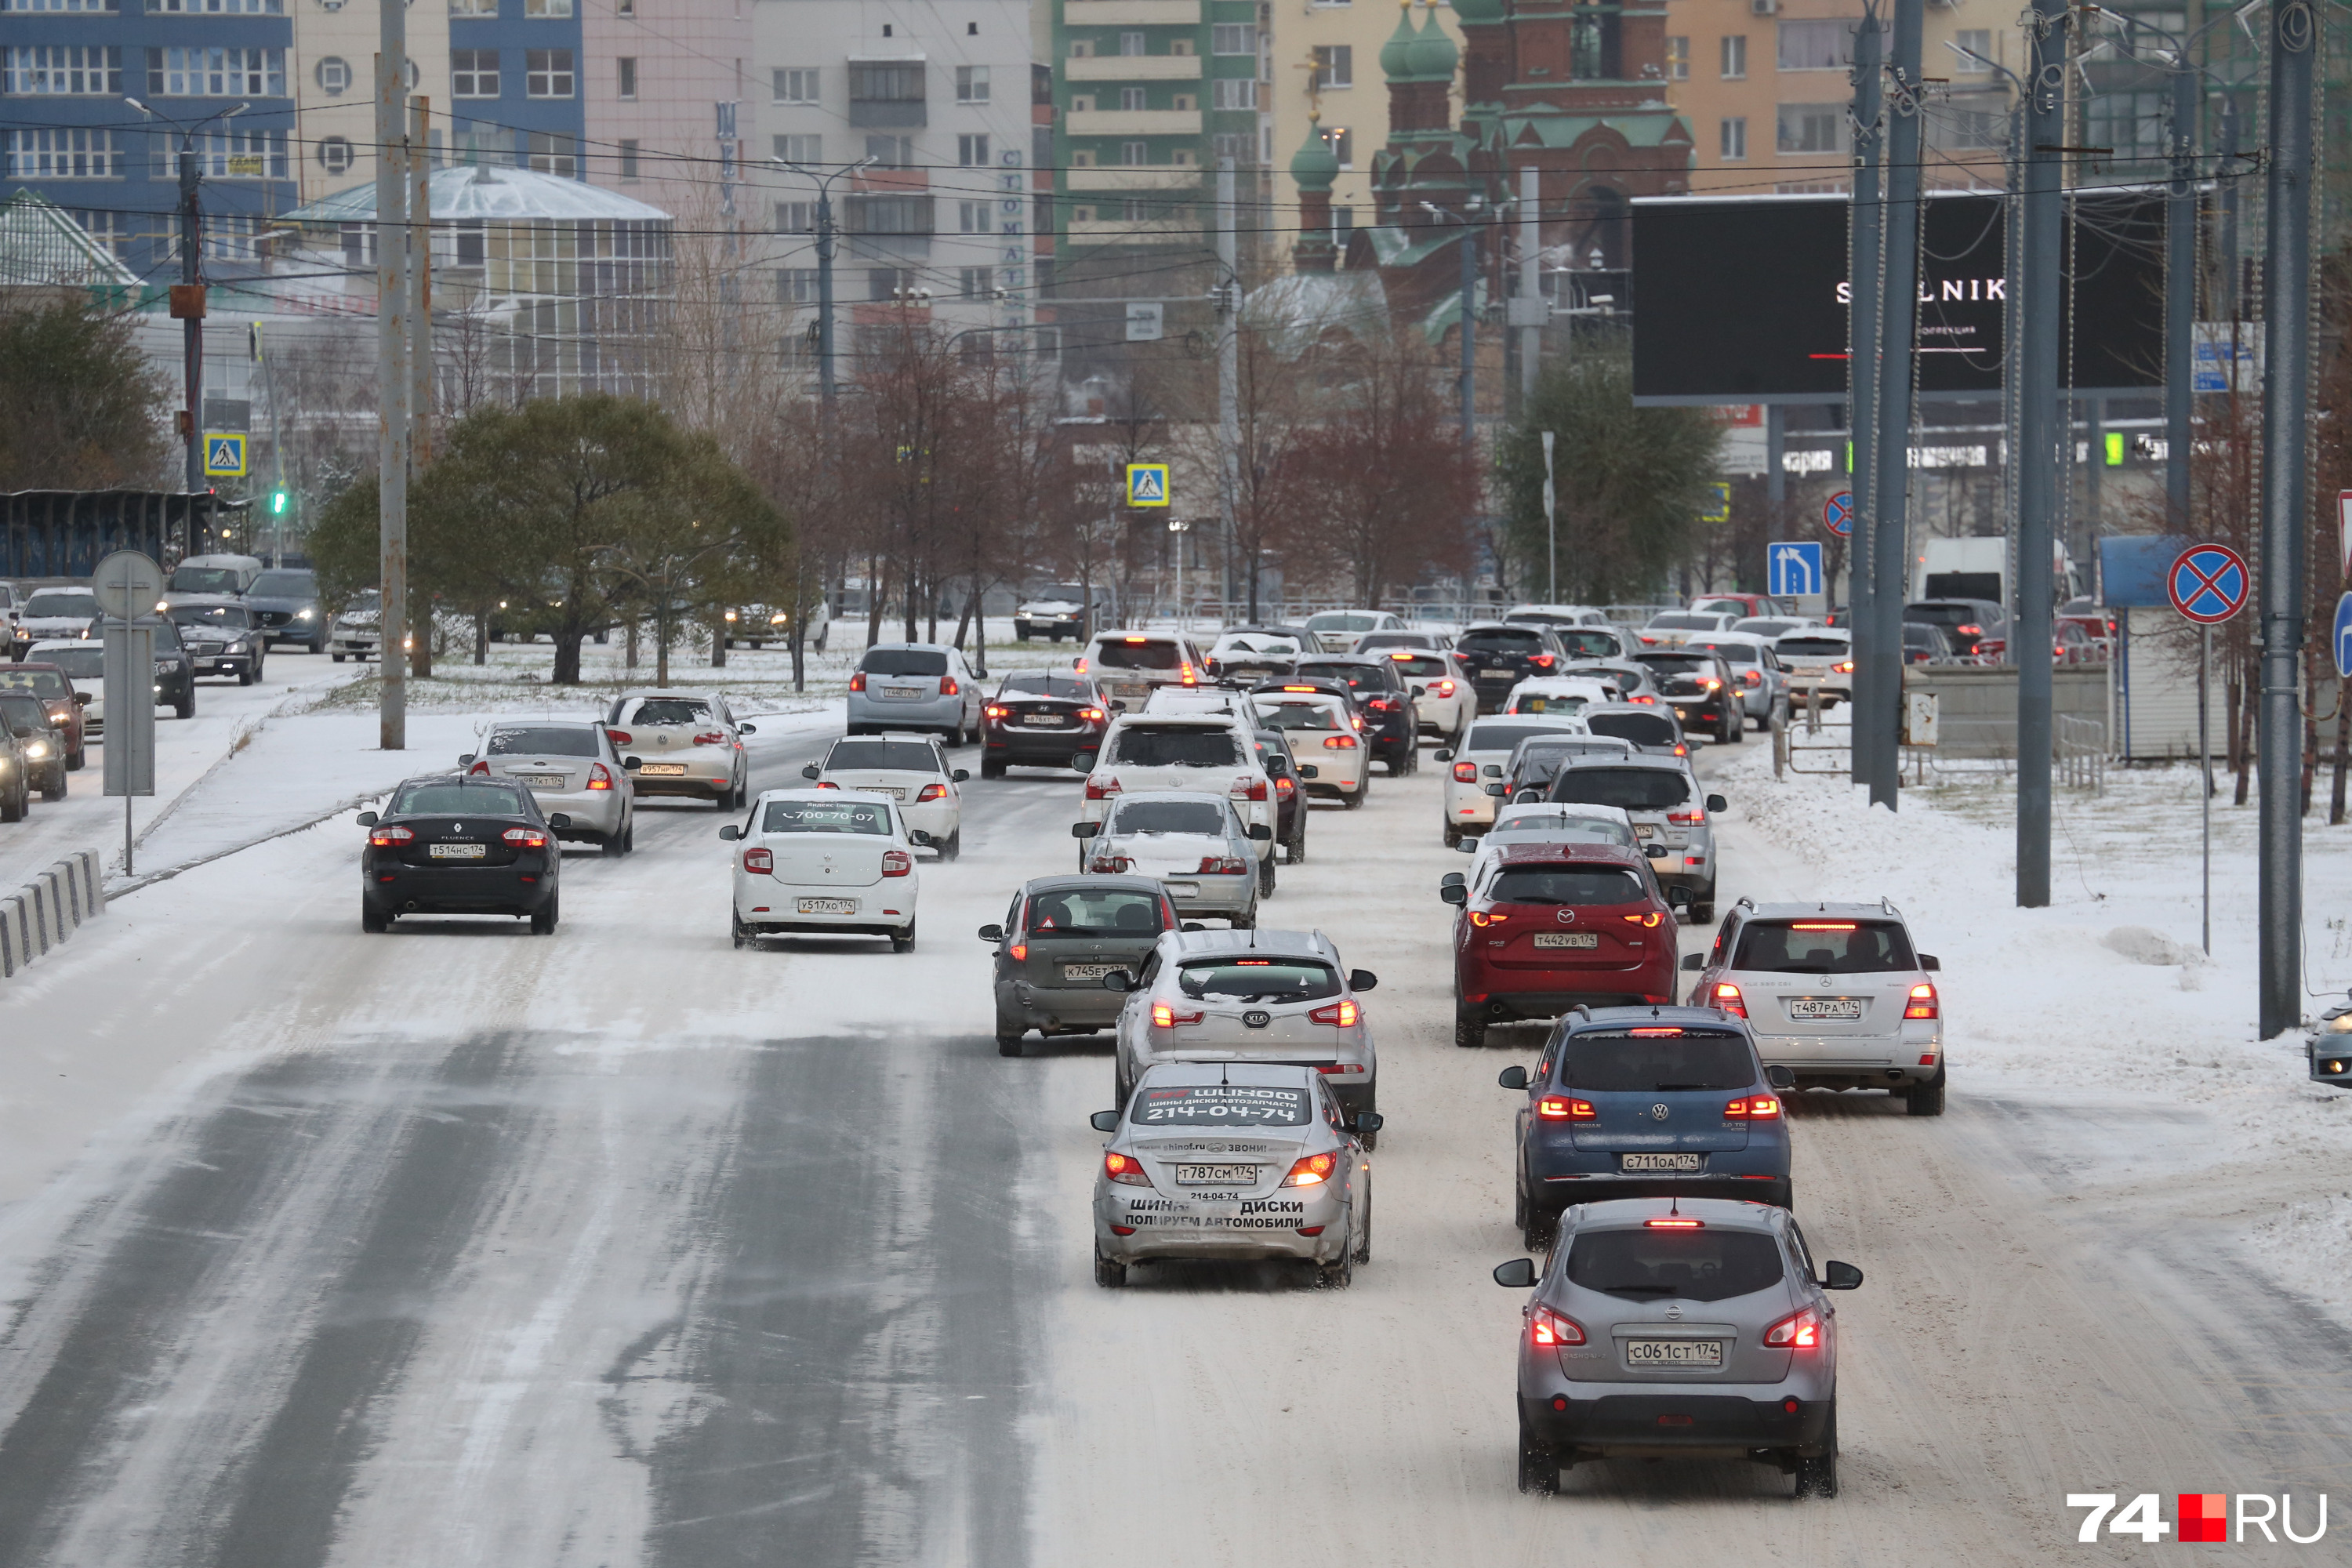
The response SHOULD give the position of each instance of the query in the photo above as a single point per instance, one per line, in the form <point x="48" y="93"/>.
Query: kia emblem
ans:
<point x="1657" y="1114"/>
<point x="1258" y="1018"/>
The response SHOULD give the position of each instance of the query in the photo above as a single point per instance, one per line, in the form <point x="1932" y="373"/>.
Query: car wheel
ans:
<point x="373" y="920"/>
<point x="1352" y="801"/>
<point x="543" y="919"/>
<point x="186" y="706"/>
<point x="1246" y="923"/>
<point x="1021" y="631"/>
<point x="56" y="790"/>
<point x="991" y="768"/>
<point x="1538" y="1228"/>
<point x="1008" y="1039"/>
<point x="1817" y="1475"/>
<point x="1519" y="1204"/>
<point x="953" y="849"/>
<point x="338" y="659"/>
<point x="245" y="676"/>
<point x="1703" y="914"/>
<point x="15" y="805"/>
<point x="1927" y="1099"/>
<point x="1538" y="1465"/>
<point x="1266" y="876"/>
<point x="1108" y="1275"/>
<point x="1297" y="844"/>
<point x="1453" y="836"/>
<point x="76" y="760"/>
<point x="904" y="941"/>
<point x="1469" y="1033"/>
<point x="1334" y="1276"/>
<point x="1363" y="1253"/>
<point x="616" y="843"/>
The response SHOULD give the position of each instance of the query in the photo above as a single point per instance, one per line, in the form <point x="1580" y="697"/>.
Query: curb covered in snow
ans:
<point x="46" y="911"/>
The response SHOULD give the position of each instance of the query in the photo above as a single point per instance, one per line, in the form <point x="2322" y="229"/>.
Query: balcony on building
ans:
<point x="1133" y="68"/>
<point x="1132" y="122"/>
<point x="886" y="95"/>
<point x="1131" y="12"/>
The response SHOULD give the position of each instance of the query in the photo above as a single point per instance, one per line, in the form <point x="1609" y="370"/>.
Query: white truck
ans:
<point x="1978" y="569"/>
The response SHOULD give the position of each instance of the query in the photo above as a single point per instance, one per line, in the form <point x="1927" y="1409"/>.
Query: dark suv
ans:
<point x="1499" y="656"/>
<point x="1978" y="629"/>
<point x="1701" y="690"/>
<point x="1380" y="691"/>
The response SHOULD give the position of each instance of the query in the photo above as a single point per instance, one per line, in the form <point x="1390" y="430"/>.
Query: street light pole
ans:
<point x="826" y="385"/>
<point x="1866" y="236"/>
<point x="2039" y="429"/>
<point x="1878" y="723"/>
<point x="1469" y="315"/>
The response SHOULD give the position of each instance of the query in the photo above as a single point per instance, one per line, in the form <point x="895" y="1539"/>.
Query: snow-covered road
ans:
<point x="457" y="1247"/>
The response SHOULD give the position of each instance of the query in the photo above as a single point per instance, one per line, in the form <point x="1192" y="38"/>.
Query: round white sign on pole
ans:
<point x="127" y="585"/>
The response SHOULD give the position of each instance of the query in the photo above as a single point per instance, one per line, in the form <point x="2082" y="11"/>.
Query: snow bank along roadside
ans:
<point x="2107" y="992"/>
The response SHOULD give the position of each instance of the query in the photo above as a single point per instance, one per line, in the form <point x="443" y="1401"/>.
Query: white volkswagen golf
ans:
<point x="825" y="863"/>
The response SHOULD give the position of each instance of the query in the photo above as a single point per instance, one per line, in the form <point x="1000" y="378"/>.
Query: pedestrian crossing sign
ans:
<point x="1147" y="484"/>
<point x="223" y="456"/>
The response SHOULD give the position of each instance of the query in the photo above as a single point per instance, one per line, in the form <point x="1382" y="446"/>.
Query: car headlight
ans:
<point x="302" y="615"/>
<point x="237" y="647"/>
<point x="36" y="750"/>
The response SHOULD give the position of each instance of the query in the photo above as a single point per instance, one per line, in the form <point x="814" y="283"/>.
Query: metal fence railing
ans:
<point x="1982" y="746"/>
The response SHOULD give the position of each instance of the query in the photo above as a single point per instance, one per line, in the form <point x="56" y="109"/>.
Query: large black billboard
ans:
<point x="1742" y="300"/>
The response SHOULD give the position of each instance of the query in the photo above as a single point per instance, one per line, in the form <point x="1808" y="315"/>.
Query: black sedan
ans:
<point x="1380" y="691"/>
<point x="453" y="845"/>
<point x="1700" y="688"/>
<point x="42" y="739"/>
<point x="1041" y="719"/>
<point x="1287" y="771"/>
<point x="1499" y="656"/>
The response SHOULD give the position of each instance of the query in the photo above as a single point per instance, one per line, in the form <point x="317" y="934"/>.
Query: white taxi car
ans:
<point x="1564" y="694"/>
<point x="908" y="768"/>
<point x="1480" y="759"/>
<point x="685" y="743"/>
<point x="825" y="863"/>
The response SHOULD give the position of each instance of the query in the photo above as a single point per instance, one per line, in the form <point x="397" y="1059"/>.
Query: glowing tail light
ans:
<point x="1124" y="1168"/>
<point x="1643" y="701"/>
<point x="1311" y="1170"/>
<point x="1752" y="1108"/>
<point x="1844" y="668"/>
<point x="1923" y="1003"/>
<point x="1190" y="679"/>
<point x="1727" y="999"/>
<point x="1165" y="1016"/>
<point x="1750" y="677"/>
<point x="1647" y="922"/>
<point x="1342" y="1014"/>
<point x="758" y="862"/>
<point x="1543" y="660"/>
<point x="1549" y="1330"/>
<point x="1466" y="772"/>
<point x="1018" y="952"/>
<point x="932" y="792"/>
<point x="1101" y="787"/>
<point x="390" y="837"/>
<point x="1484" y="918"/>
<point x="1674" y="1221"/>
<point x="525" y="837"/>
<point x="1091" y="715"/>
<point x="1078" y="666"/>
<point x="1222" y="866"/>
<point x="599" y="777"/>
<point x="857" y="681"/>
<point x="1248" y="788"/>
<point x="1444" y="689"/>
<point x="993" y="711"/>
<point x="1284" y="789"/>
<point x="1347" y="744"/>
<point x="1565" y="1108"/>
<point x="1797" y="1331"/>
<point x="1694" y="818"/>
<point x="826" y="783"/>
<point x="898" y="863"/>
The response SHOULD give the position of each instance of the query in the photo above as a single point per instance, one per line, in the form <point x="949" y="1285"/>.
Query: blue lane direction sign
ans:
<point x="1793" y="568"/>
<point x="2208" y="583"/>
<point x="224" y="455"/>
<point x="1837" y="513"/>
<point x="1147" y="484"/>
<point x="2342" y="642"/>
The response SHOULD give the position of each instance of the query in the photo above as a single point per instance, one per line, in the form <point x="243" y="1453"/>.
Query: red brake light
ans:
<point x="1124" y="1169"/>
<point x="618" y="736"/>
<point x="1078" y="666"/>
<point x="386" y="837"/>
<point x="1018" y="952"/>
<point x="993" y="711"/>
<point x="1674" y="1221"/>
<point x="1347" y="744"/>
<point x="1693" y="818"/>
<point x="711" y="738"/>
<point x="1248" y="788"/>
<point x="948" y="687"/>
<point x="1727" y="999"/>
<point x="1749" y="678"/>
<point x="826" y="783"/>
<point x="1752" y="1108"/>
<point x="1165" y="1016"/>
<point x="857" y="681"/>
<point x="525" y="837"/>
<point x="1131" y="641"/>
<point x="599" y="777"/>
<point x="1644" y="702"/>
<point x="1222" y="866"/>
<point x="1666" y="1031"/>
<point x="1466" y="772"/>
<point x="898" y="863"/>
<point x="1923" y="1004"/>
<point x="758" y="862"/>
<point x="1799" y="1330"/>
<point x="1969" y="631"/>
<point x="1189" y="678"/>
<point x="1549" y="1329"/>
<point x="1543" y="660"/>
<point x="1484" y="918"/>
<point x="932" y="792"/>
<point x="1092" y="715"/>
<point x="1311" y="1170"/>
<point x="1820" y="925"/>
<point x="1101" y="787"/>
<point x="1845" y="668"/>
<point x="480" y="767"/>
<point x="1564" y="1108"/>
<point x="1647" y="922"/>
<point x="1284" y="789"/>
<point x="1341" y="1013"/>
<point x="1445" y="689"/>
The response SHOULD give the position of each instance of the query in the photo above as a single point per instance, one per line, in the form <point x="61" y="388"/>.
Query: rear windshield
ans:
<point x="467" y="799"/>
<point x="1355" y="674"/>
<point x="81" y="663"/>
<point x="1256" y="642"/>
<point x="1219" y="1105"/>
<point x="1139" y="653"/>
<point x="825" y="816"/>
<point x="1560" y="828"/>
<point x="659" y="710"/>
<point x="907" y="756"/>
<point x="1642" y="729"/>
<point x="62" y="601"/>
<point x="1627" y="789"/>
<point x="223" y="616"/>
<point x="1813" y="647"/>
<point x="903" y="662"/>
<point x="549" y="740"/>
<point x="1918" y="635"/>
<point x="1343" y="620"/>
<point x="205" y="580"/>
<point x="1258" y="980"/>
<point x="1617" y="1063"/>
<point x="1488" y="736"/>
<point x="1169" y="816"/>
<point x="23" y="713"/>
<point x="1096" y="911"/>
<point x="1553" y="702"/>
<point x="1421" y="664"/>
<point x="1764" y="628"/>
<point x="1690" y="623"/>
<point x="1943" y="614"/>
<point x="1143" y="748"/>
<point x="286" y="585"/>
<point x="1502" y="639"/>
<point x="1583" y="642"/>
<point x="1731" y="652"/>
<point x="1045" y="683"/>
<point x="1569" y="885"/>
<point x="1302" y="716"/>
<point x="1674" y="664"/>
<point x="1825" y="947"/>
<point x="1686" y="1265"/>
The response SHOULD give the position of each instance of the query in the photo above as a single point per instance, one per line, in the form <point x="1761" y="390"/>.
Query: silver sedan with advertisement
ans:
<point x="1233" y="1161"/>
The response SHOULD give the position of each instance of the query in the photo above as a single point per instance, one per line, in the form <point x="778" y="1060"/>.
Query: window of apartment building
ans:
<point x="333" y="76"/>
<point x="1134" y="154"/>
<point x="891" y="152"/>
<point x="798" y="149"/>
<point x="1977" y="42"/>
<point x="547" y="9"/>
<point x="886" y="83"/>
<point x="63" y="152"/>
<point x="1334" y="66"/>
<point x="552" y="152"/>
<point x="1814" y="45"/>
<point x="971" y="217"/>
<point x="976" y="283"/>
<point x="882" y="283"/>
<point x="1733" y="54"/>
<point x="2131" y="123"/>
<point x="628" y="160"/>
<point x="334" y="154"/>
<point x="106" y="6"/>
<point x="473" y="8"/>
<point x="1082" y="215"/>
<point x="474" y="73"/>
<point x="1960" y="128"/>
<point x="972" y="152"/>
<point x="230" y="154"/>
<point x="1813" y="127"/>
<point x="1733" y="143"/>
<point x="1236" y="145"/>
<point x="1678" y="59"/>
<point x="547" y="73"/>
<point x="890" y="213"/>
<point x="795" y="85"/>
<point x="1132" y="43"/>
<point x="1082" y="103"/>
<point x="1232" y="92"/>
<point x="214" y="7"/>
<point x="214" y="73"/>
<point x="62" y="69"/>
<point x="1232" y="38"/>
<point x="625" y="76"/>
<point x="796" y="285"/>
<point x="1081" y="49"/>
<point x="972" y="84"/>
<point x="1132" y="98"/>
<point x="795" y="218"/>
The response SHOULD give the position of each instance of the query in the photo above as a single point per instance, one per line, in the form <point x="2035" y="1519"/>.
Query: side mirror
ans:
<point x="1654" y="851"/>
<point x="367" y="819"/>
<point x="1930" y="961"/>
<point x="1370" y="1122"/>
<point x="1261" y="832"/>
<point x="1362" y="980"/>
<point x="746" y="729"/>
<point x="812" y="770"/>
<point x="81" y="698"/>
<point x="1512" y="1078"/>
<point x="1443" y="755"/>
<point x="1492" y="771"/>
<point x="1191" y="925"/>
<point x="1085" y="830"/>
<point x="464" y="759"/>
<point x="1518" y="1274"/>
<point x="1679" y="900"/>
<point x="1498" y="790"/>
<point x="1694" y="962"/>
<point x="961" y="774"/>
<point x="1104" y="1121"/>
<point x="558" y="820"/>
<point x="1457" y="895"/>
<point x="920" y="839"/>
<point x="1310" y="771"/>
<point x="631" y="764"/>
<point x="1779" y="1077"/>
<point x="1453" y="880"/>
<point x="731" y="833"/>
<point x="1836" y="1275"/>
<point x="1527" y="798"/>
<point x="992" y="933"/>
<point x="1716" y="802"/>
<point x="1083" y="762"/>
<point x="1118" y="980"/>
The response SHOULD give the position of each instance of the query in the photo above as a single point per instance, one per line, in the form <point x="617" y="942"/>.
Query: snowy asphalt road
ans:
<point x="457" y="1247"/>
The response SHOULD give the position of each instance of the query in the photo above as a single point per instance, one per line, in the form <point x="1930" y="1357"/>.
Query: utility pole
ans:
<point x="2286" y="408"/>
<point x="1551" y="520"/>
<point x="392" y="368"/>
<point x="2180" y="293"/>
<point x="420" y="287"/>
<point x="1867" y="229"/>
<point x="825" y="249"/>
<point x="2038" y="432"/>
<point x="1469" y="331"/>
<point x="277" y="496"/>
<point x="1878" y="727"/>
<point x="1530" y="283"/>
<point x="191" y="327"/>
<point x="1229" y="370"/>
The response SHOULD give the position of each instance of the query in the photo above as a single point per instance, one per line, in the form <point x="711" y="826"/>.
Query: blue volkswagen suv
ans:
<point x="1635" y="1102"/>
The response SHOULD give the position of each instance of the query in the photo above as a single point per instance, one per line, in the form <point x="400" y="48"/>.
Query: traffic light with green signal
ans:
<point x="280" y="499"/>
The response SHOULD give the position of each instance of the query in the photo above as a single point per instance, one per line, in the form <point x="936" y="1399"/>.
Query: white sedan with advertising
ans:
<point x="1566" y="695"/>
<point x="825" y="863"/>
<point x="912" y="771"/>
